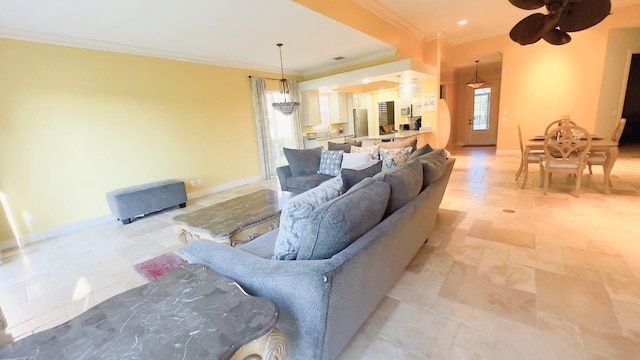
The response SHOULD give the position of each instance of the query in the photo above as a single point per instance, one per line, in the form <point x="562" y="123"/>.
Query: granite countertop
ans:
<point x="328" y="137"/>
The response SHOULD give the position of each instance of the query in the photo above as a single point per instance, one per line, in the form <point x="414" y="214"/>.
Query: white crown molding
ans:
<point x="391" y="17"/>
<point x="52" y="39"/>
<point x="343" y="64"/>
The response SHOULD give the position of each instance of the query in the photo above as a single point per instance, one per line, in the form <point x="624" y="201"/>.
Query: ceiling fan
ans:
<point x="564" y="16"/>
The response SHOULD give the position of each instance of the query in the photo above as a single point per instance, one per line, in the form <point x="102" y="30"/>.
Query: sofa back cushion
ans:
<point x="350" y="177"/>
<point x="303" y="161"/>
<point x="423" y="150"/>
<point x="294" y="217"/>
<point x="432" y="166"/>
<point x="346" y="147"/>
<point x="405" y="181"/>
<point x="336" y="224"/>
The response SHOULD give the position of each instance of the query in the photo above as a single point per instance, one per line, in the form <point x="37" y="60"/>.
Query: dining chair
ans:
<point x="600" y="157"/>
<point x="532" y="157"/>
<point x="565" y="151"/>
<point x="559" y="122"/>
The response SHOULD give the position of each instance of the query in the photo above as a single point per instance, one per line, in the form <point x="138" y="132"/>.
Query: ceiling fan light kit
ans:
<point x="476" y="82"/>
<point x="286" y="107"/>
<point x="564" y="16"/>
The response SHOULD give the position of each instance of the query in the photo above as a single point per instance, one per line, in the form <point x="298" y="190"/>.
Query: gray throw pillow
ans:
<point x="405" y="181"/>
<point x="303" y="161"/>
<point x="432" y="166"/>
<point x="336" y="224"/>
<point x="350" y="177"/>
<point x="330" y="162"/>
<point x="294" y="217"/>
<point x="346" y="147"/>
<point x="423" y="150"/>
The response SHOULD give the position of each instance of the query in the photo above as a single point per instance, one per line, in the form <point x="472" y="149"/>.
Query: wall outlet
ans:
<point x="199" y="181"/>
<point x="192" y="182"/>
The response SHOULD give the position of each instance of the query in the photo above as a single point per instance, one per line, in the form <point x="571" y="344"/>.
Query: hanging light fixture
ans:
<point x="286" y="107"/>
<point x="476" y="82"/>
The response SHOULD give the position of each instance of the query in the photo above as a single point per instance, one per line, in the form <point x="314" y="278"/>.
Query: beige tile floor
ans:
<point x="508" y="274"/>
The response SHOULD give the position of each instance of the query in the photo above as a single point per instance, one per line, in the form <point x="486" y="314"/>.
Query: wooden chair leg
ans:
<point x="578" y="181"/>
<point x="547" y="175"/>
<point x="590" y="171"/>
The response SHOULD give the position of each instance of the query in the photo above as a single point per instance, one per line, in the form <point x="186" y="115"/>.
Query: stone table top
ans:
<point x="223" y="219"/>
<point x="190" y="313"/>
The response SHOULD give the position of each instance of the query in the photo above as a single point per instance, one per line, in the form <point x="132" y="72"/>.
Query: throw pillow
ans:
<point x="330" y="162"/>
<point x="294" y="217"/>
<point x="371" y="150"/>
<point x="393" y="157"/>
<point x="336" y="224"/>
<point x="303" y="161"/>
<point x="354" y="160"/>
<point x="405" y="181"/>
<point x="350" y="177"/>
<point x="413" y="142"/>
<point x="423" y="150"/>
<point x="432" y="166"/>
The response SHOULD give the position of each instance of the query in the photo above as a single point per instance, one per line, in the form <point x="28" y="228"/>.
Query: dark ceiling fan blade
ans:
<point x="531" y="29"/>
<point x="527" y="4"/>
<point x="583" y="14"/>
<point x="556" y="37"/>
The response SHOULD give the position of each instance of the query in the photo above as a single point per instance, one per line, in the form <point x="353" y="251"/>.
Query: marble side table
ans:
<point x="234" y="221"/>
<point x="190" y="313"/>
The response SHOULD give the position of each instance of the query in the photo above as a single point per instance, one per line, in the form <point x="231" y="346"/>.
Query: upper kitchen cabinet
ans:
<point x="361" y="100"/>
<point x="310" y="108"/>
<point x="338" y="108"/>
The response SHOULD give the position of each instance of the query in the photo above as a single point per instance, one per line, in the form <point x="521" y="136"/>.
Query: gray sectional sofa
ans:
<point x="355" y="248"/>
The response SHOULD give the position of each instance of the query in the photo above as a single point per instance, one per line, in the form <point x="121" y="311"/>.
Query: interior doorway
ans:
<point x="631" y="107"/>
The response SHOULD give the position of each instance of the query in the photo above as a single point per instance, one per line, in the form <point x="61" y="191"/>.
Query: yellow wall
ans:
<point x="75" y="124"/>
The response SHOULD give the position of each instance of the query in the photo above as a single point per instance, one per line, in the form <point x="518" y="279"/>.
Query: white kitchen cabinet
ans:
<point x="338" y="108"/>
<point x="361" y="101"/>
<point x="310" y="108"/>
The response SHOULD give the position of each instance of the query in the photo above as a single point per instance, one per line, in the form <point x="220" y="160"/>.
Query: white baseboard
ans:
<point x="508" y="152"/>
<point x="62" y="230"/>
<point x="215" y="189"/>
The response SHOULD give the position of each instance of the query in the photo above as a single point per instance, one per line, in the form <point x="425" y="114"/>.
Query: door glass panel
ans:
<point x="481" y="108"/>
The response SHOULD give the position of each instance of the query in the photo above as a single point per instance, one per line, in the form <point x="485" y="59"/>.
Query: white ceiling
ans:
<point x="243" y="33"/>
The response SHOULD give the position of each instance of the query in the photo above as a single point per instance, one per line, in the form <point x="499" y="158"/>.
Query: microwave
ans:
<point x="405" y="110"/>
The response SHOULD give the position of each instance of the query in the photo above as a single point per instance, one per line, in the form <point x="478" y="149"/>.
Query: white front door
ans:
<point x="479" y="130"/>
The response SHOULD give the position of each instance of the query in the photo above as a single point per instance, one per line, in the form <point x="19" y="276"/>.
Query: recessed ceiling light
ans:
<point x="462" y="22"/>
<point x="365" y="81"/>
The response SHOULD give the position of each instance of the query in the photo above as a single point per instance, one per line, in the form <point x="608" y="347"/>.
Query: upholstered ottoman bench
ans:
<point x="130" y="202"/>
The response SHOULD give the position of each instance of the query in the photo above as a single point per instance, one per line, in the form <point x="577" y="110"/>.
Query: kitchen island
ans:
<point x="422" y="135"/>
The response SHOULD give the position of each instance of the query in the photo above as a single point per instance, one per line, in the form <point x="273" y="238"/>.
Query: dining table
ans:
<point x="607" y="146"/>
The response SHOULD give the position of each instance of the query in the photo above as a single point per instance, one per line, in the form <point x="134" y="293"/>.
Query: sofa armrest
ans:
<point x="284" y="173"/>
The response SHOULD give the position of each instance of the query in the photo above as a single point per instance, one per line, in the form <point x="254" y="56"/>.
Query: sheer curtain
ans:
<point x="275" y="130"/>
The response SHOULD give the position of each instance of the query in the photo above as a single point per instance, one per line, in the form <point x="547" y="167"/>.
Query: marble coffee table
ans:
<point x="189" y="313"/>
<point x="234" y="221"/>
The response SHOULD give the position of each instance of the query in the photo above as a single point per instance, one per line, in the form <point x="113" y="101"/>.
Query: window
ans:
<point x="280" y="127"/>
<point x="481" y="108"/>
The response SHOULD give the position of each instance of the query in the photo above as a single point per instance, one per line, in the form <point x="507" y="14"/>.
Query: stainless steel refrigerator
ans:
<point x="360" y="122"/>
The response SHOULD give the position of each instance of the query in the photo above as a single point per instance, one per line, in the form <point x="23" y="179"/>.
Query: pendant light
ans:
<point x="476" y="82"/>
<point x="286" y="107"/>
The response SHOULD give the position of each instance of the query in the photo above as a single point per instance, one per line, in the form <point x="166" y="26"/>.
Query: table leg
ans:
<point x="612" y="156"/>
<point x="522" y="165"/>
<point x="271" y="346"/>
